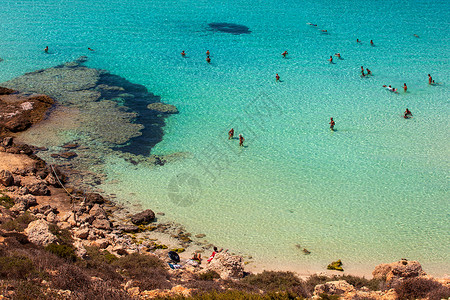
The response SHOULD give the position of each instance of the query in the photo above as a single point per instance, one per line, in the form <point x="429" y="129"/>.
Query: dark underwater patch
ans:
<point x="229" y="28"/>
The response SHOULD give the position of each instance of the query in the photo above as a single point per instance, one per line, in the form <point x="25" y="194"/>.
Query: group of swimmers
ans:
<point x="208" y="59"/>
<point x="46" y="49"/>
<point x="231" y="135"/>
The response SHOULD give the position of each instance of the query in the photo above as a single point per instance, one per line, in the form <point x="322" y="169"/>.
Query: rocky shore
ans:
<point x="60" y="239"/>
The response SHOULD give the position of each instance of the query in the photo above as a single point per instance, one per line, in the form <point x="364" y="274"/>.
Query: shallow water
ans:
<point x="373" y="191"/>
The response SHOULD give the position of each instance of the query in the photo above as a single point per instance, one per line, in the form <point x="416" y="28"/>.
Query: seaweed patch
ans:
<point x="229" y="28"/>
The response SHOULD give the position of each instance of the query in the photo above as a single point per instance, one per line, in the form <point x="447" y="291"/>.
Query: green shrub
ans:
<point x="6" y="201"/>
<point x="414" y="288"/>
<point x="70" y="277"/>
<point x="270" y="281"/>
<point x="28" y="290"/>
<point x="237" y="295"/>
<point x="64" y="236"/>
<point x="15" y="267"/>
<point x="63" y="251"/>
<point x="20" y="223"/>
<point x="328" y="297"/>
<point x="210" y="275"/>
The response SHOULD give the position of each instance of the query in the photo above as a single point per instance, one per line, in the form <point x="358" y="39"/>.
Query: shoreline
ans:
<point x="84" y="151"/>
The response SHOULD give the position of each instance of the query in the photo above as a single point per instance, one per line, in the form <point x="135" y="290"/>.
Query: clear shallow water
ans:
<point x="373" y="191"/>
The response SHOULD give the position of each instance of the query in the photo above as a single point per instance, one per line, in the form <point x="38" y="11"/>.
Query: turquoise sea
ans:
<point x="373" y="191"/>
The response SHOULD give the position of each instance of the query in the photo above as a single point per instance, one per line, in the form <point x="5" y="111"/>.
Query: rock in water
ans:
<point x="143" y="218"/>
<point x="163" y="108"/>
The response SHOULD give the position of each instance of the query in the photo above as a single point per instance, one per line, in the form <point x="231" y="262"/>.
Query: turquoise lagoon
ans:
<point x="374" y="191"/>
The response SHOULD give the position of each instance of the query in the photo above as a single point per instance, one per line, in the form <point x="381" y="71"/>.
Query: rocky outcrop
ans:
<point x="227" y="266"/>
<point x="18" y="111"/>
<point x="162" y="108"/>
<point x="143" y="218"/>
<point x="334" y="288"/>
<point x="39" y="234"/>
<point x="395" y="272"/>
<point x="22" y="203"/>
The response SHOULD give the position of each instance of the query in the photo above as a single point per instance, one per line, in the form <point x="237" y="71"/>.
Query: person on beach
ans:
<point x="430" y="80"/>
<point x="331" y="59"/>
<point x="46" y="49"/>
<point x="405" y="87"/>
<point x="241" y="140"/>
<point x="332" y="123"/>
<point x="90" y="49"/>
<point x="231" y="134"/>
<point x="284" y="54"/>
<point x="183" y="53"/>
<point x="197" y="257"/>
<point x="214" y="254"/>
<point x="407" y="114"/>
<point x="277" y="77"/>
<point x="369" y="72"/>
<point x="207" y="52"/>
<point x="208" y="60"/>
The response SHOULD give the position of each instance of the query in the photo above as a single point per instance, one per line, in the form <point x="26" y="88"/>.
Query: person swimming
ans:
<point x="284" y="54"/>
<point x="208" y="60"/>
<point x="311" y="24"/>
<point x="90" y="49"/>
<point x="358" y="41"/>
<point x="338" y="55"/>
<point x="330" y="59"/>
<point x="332" y="123"/>
<point x="231" y="134"/>
<point x="277" y="77"/>
<point x="207" y="52"/>
<point x="183" y="53"/>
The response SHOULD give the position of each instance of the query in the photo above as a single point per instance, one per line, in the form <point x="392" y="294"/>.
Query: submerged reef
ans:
<point x="229" y="28"/>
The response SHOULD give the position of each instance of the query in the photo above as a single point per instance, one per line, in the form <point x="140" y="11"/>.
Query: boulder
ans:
<point x="397" y="271"/>
<point x="6" y="178"/>
<point x="52" y="217"/>
<point x="128" y="228"/>
<point x="98" y="212"/>
<point x="101" y="243"/>
<point x="85" y="218"/>
<point x="7" y="141"/>
<point x="163" y="108"/>
<point x="101" y="224"/>
<point x="143" y="218"/>
<point x="94" y="198"/>
<point x="6" y="91"/>
<point x="39" y="234"/>
<point x="334" y="288"/>
<point x="82" y="233"/>
<point x="227" y="266"/>
<point x="37" y="187"/>
<point x="68" y="155"/>
<point x="24" y="202"/>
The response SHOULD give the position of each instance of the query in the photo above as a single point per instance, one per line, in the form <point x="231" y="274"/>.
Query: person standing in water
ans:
<point x="405" y="87"/>
<point x="183" y="53"/>
<point x="331" y="59"/>
<point x="46" y="49"/>
<point x="231" y="134"/>
<point x="371" y="43"/>
<point x="284" y="54"/>
<point x="241" y="140"/>
<point x="208" y="60"/>
<point x="332" y="123"/>
<point x="407" y="114"/>
<point x="430" y="80"/>
<point x="207" y="52"/>
<point x="277" y="77"/>
<point x="369" y="72"/>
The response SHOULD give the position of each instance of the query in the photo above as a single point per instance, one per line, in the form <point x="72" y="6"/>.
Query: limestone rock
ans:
<point x="163" y="108"/>
<point x="101" y="243"/>
<point x="25" y="201"/>
<point x="101" y="224"/>
<point x="227" y="266"/>
<point x="143" y="218"/>
<point x="398" y="271"/>
<point x="98" y="212"/>
<point x="85" y="218"/>
<point x="128" y="228"/>
<point x="39" y="234"/>
<point x="79" y="249"/>
<point x="334" y="288"/>
<point x="37" y="187"/>
<point x="6" y="178"/>
<point x="94" y="198"/>
<point x="52" y="217"/>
